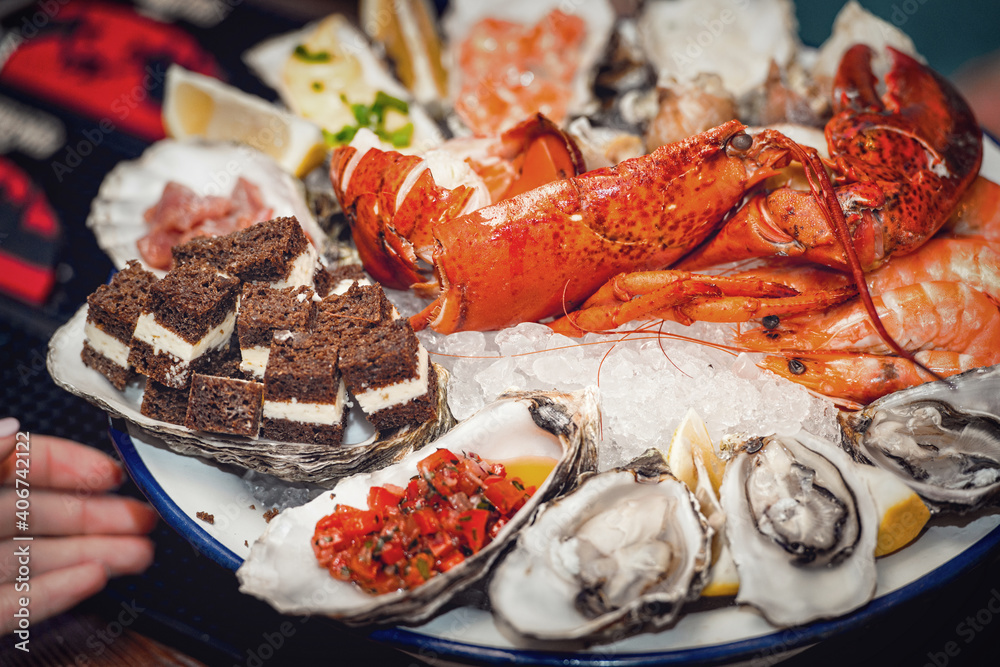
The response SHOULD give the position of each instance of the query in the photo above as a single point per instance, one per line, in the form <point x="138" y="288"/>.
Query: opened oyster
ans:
<point x="283" y="570"/>
<point x="802" y="528"/>
<point x="620" y="554"/>
<point x="941" y="438"/>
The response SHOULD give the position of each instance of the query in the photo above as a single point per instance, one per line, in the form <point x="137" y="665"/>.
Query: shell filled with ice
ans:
<point x="208" y="168"/>
<point x="295" y="462"/>
<point x="282" y="569"/>
<point x="942" y="439"/>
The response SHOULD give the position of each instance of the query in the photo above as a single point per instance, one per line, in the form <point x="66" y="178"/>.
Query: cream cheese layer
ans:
<point x="308" y="413"/>
<point x="397" y="393"/>
<point x="163" y="340"/>
<point x="254" y="359"/>
<point x="302" y="270"/>
<point x="105" y="344"/>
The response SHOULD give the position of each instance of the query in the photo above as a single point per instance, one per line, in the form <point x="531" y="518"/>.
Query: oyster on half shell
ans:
<point x="802" y="528"/>
<point x="282" y="569"/>
<point x="940" y="438"/>
<point x="619" y="554"/>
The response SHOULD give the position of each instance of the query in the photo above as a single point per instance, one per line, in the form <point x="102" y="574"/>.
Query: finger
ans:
<point x="58" y="463"/>
<point x="120" y="555"/>
<point x="9" y="427"/>
<point x="53" y="513"/>
<point x="51" y="593"/>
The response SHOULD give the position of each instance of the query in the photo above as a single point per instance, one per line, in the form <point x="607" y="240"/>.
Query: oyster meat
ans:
<point x="940" y="438"/>
<point x="802" y="528"/>
<point x="282" y="569"/>
<point x="620" y="554"/>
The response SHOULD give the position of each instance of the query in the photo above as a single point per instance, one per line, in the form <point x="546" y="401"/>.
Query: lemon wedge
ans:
<point x="902" y="514"/>
<point x="690" y="442"/>
<point x="692" y="459"/>
<point x="196" y="105"/>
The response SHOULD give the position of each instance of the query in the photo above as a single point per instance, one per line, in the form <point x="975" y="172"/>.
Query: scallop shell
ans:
<point x="208" y="168"/>
<point x="295" y="462"/>
<point x="267" y="60"/>
<point x="282" y="569"/>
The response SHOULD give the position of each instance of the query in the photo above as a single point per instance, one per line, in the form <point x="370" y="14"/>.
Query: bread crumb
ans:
<point x="270" y="514"/>
<point x="206" y="517"/>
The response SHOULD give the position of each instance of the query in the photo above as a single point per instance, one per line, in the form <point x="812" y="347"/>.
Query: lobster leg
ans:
<point x="685" y="297"/>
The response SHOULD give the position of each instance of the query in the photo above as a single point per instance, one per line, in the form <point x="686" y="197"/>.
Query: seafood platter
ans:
<point x="582" y="341"/>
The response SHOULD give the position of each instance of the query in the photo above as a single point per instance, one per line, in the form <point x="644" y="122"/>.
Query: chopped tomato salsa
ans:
<point x="450" y="510"/>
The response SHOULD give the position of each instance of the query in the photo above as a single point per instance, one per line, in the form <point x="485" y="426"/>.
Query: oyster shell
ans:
<point x="282" y="569"/>
<point x="735" y="40"/>
<point x="619" y="554"/>
<point x="942" y="439"/>
<point x="802" y="528"/>
<point x="296" y="462"/>
<point x="207" y="167"/>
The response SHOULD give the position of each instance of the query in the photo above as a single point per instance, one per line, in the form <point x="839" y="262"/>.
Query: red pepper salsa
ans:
<point x="449" y="511"/>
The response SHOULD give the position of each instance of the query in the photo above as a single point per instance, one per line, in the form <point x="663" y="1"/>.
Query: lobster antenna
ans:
<point x="821" y="186"/>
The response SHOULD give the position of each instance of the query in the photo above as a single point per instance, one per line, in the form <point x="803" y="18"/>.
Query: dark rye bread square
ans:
<point x="302" y="366"/>
<point x="114" y="307"/>
<point x="384" y="355"/>
<point x="116" y="374"/>
<point x="192" y="299"/>
<point x="264" y="252"/>
<point x="328" y="279"/>
<point x="355" y="312"/>
<point x="264" y="310"/>
<point x="212" y="250"/>
<point x="164" y="403"/>
<point x="224" y="405"/>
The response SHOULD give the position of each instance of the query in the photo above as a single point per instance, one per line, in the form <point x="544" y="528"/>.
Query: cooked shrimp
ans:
<point x="933" y="315"/>
<point x="853" y="379"/>
<point x="971" y="261"/>
<point x="977" y="213"/>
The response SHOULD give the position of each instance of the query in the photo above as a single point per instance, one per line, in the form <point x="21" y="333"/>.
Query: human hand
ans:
<point x="82" y="534"/>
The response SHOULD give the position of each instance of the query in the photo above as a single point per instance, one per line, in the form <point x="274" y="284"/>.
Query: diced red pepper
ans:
<point x="450" y="561"/>
<point x="504" y="494"/>
<point x="380" y="497"/>
<point x="426" y="520"/>
<point x="392" y="553"/>
<point x="472" y="527"/>
<point x="439" y="458"/>
<point x="359" y="522"/>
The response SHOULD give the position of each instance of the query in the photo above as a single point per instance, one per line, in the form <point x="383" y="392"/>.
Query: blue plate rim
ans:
<point x="411" y="641"/>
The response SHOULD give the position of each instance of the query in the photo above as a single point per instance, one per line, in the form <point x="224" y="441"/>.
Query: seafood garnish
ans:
<point x="325" y="70"/>
<point x="282" y="568"/>
<point x="802" y="528"/>
<point x="511" y="60"/>
<point x="941" y="438"/>
<point x="620" y="554"/>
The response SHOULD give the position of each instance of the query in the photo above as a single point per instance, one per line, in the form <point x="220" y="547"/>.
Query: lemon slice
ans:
<point x="196" y="105"/>
<point x="691" y="441"/>
<point x="902" y="514"/>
